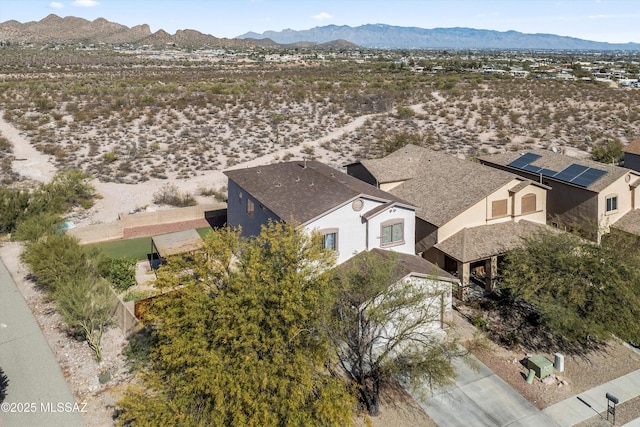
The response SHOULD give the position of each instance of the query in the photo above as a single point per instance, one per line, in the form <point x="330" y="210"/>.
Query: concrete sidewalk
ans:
<point x="592" y="402"/>
<point x="37" y="393"/>
<point x="481" y="398"/>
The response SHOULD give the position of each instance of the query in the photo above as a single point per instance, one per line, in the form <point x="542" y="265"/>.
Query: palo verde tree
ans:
<point x="64" y="270"/>
<point x="579" y="289"/>
<point x="244" y="345"/>
<point x="385" y="328"/>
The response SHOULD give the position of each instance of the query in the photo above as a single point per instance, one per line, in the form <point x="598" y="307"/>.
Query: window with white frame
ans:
<point x="392" y="232"/>
<point x="612" y="203"/>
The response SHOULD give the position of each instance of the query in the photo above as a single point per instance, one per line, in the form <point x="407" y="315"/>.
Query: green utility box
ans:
<point x="542" y="366"/>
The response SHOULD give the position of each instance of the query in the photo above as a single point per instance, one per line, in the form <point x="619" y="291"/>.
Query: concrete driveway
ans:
<point x="481" y="398"/>
<point x="37" y="393"/>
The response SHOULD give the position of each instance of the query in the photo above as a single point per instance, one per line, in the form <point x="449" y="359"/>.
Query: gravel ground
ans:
<point x="608" y="363"/>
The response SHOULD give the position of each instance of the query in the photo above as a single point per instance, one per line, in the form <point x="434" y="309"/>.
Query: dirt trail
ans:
<point x="28" y="162"/>
<point x="118" y="198"/>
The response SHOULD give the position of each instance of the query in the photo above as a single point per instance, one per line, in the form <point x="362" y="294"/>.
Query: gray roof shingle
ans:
<point x="481" y="242"/>
<point x="557" y="162"/>
<point x="406" y="264"/>
<point x="442" y="186"/>
<point x="301" y="191"/>
<point x="633" y="147"/>
<point x="630" y="222"/>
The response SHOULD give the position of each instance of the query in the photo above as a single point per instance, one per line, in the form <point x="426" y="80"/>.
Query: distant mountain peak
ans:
<point x="395" y="37"/>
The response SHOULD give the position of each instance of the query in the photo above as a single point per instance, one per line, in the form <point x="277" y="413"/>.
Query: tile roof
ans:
<point x="484" y="241"/>
<point x="557" y="162"/>
<point x="630" y="222"/>
<point x="633" y="147"/>
<point x="301" y="191"/>
<point x="441" y="185"/>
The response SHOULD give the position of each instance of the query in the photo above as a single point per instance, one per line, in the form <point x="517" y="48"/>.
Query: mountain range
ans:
<point x="54" y="29"/>
<point x="393" y="37"/>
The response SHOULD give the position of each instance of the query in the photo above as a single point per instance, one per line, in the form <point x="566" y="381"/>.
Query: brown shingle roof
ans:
<point x="484" y="241"/>
<point x="302" y="191"/>
<point x="439" y="184"/>
<point x="633" y="147"/>
<point x="406" y="265"/>
<point x="557" y="162"/>
<point x="630" y="222"/>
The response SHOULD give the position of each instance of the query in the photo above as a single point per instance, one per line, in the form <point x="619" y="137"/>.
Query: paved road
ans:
<point x="36" y="382"/>
<point x="481" y="398"/>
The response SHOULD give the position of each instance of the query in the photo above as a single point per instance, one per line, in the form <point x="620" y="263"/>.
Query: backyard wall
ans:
<point x="125" y="316"/>
<point x="116" y="230"/>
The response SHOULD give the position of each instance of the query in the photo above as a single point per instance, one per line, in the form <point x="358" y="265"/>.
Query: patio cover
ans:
<point x="484" y="241"/>
<point x="177" y="243"/>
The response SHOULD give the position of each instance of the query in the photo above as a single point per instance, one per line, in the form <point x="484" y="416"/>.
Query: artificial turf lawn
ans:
<point x="137" y="248"/>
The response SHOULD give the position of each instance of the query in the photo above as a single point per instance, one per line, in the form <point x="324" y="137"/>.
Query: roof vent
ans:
<point x="297" y="179"/>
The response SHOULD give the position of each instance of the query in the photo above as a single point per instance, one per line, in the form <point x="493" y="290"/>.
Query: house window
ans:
<point x="498" y="208"/>
<point x="528" y="203"/>
<point x="612" y="203"/>
<point x="330" y="239"/>
<point x="250" y="208"/>
<point x="392" y="232"/>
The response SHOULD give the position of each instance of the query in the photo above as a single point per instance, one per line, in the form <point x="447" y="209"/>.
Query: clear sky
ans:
<point x="615" y="21"/>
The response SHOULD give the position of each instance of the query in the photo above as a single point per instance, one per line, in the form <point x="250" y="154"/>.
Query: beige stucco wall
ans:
<point x="480" y="213"/>
<point x="626" y="201"/>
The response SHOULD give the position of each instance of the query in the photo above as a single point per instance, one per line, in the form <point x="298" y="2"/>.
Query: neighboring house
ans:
<point x="583" y="193"/>
<point x="429" y="279"/>
<point x="632" y="155"/>
<point x="460" y="205"/>
<point x="352" y="216"/>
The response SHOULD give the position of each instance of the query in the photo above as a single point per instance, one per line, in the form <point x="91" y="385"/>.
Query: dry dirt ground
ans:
<point x="582" y="371"/>
<point x="398" y="409"/>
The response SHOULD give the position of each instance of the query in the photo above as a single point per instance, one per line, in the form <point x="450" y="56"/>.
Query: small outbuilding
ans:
<point x="169" y="244"/>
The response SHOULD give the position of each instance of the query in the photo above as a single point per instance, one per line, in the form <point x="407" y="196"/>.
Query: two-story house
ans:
<point x="351" y="215"/>
<point x="632" y="155"/>
<point x="467" y="215"/>
<point x="583" y="193"/>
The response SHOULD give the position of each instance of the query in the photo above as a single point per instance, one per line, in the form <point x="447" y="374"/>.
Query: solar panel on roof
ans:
<point x="570" y="172"/>
<point x="524" y="160"/>
<point x="588" y="177"/>
<point x="547" y="172"/>
<point x="532" y="168"/>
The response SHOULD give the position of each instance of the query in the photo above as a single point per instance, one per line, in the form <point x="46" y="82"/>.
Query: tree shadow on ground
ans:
<point x="509" y="322"/>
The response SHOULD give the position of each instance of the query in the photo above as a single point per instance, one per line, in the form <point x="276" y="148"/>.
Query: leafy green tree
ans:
<point x="67" y="189"/>
<point x="87" y="305"/>
<point x="579" y="289"/>
<point x="385" y="328"/>
<point x="56" y="260"/>
<point x="36" y="226"/>
<point x="69" y="277"/>
<point x="609" y="151"/>
<point x="13" y="205"/>
<point x="245" y="346"/>
<point x="119" y="271"/>
<point x="211" y="267"/>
